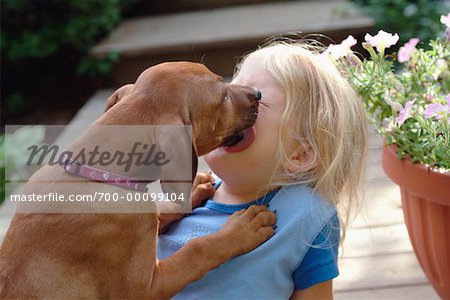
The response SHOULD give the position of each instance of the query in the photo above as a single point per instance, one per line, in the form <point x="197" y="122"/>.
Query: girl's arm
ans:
<point x="313" y="278"/>
<point x="323" y="290"/>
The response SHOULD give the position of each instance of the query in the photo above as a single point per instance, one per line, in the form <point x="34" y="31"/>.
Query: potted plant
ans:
<point x="407" y="96"/>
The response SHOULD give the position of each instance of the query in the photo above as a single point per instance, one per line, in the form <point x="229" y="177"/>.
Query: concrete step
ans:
<point x="218" y="37"/>
<point x="154" y="7"/>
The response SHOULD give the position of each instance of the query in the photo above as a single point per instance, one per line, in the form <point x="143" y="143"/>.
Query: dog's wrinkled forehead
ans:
<point x="185" y="70"/>
<point x="172" y="76"/>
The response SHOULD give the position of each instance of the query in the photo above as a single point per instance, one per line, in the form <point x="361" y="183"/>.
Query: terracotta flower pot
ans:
<point x="426" y="208"/>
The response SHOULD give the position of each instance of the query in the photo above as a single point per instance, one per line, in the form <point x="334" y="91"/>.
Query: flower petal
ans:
<point x="405" y="52"/>
<point x="342" y="49"/>
<point x="433" y="110"/>
<point x="382" y="40"/>
<point x="405" y="113"/>
<point x="394" y="105"/>
<point x="349" y="41"/>
<point x="445" y="19"/>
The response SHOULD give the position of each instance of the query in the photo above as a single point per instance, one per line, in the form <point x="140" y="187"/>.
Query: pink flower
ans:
<point x="446" y="20"/>
<point x="405" y="52"/>
<point x="354" y="60"/>
<point x="342" y="49"/>
<point x="437" y="110"/>
<point x="382" y="40"/>
<point x="405" y="113"/>
<point x="388" y="125"/>
<point x="394" y="105"/>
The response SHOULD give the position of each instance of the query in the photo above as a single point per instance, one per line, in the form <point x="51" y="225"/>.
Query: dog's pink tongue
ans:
<point x="249" y="138"/>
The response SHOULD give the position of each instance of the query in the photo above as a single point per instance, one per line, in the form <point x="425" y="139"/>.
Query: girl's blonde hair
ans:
<point x="324" y="114"/>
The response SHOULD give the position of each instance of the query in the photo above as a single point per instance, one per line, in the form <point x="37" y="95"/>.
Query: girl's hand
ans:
<point x="202" y="188"/>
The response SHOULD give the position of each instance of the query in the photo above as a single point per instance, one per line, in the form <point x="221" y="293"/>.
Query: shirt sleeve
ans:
<point x="320" y="262"/>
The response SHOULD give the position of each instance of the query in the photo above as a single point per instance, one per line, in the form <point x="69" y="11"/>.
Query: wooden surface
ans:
<point x="218" y="37"/>
<point x="230" y="25"/>
<point x="377" y="260"/>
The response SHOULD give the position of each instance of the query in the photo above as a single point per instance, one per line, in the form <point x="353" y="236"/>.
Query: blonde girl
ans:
<point x="304" y="158"/>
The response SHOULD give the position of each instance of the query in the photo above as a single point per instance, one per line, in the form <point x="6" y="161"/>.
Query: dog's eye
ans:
<point x="226" y="97"/>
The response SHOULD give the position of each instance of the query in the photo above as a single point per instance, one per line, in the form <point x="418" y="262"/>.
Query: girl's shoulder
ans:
<point x="303" y="197"/>
<point x="302" y="210"/>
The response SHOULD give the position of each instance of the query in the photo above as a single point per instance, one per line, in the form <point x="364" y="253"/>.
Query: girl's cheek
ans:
<point x="268" y="117"/>
<point x="263" y="111"/>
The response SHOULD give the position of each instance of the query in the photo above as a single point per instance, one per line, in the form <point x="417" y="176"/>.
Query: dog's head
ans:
<point x="184" y="93"/>
<point x="189" y="93"/>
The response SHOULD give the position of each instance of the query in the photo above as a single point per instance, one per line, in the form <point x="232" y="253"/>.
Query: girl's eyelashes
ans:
<point x="263" y="102"/>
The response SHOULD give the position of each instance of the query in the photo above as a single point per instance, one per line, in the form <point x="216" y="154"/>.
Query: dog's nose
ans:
<point x="257" y="94"/>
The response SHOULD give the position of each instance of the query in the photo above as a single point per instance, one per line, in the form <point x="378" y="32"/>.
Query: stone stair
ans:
<point x="157" y="7"/>
<point x="218" y="37"/>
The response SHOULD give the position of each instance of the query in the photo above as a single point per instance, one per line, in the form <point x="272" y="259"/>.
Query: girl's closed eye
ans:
<point x="268" y="103"/>
<point x="264" y="102"/>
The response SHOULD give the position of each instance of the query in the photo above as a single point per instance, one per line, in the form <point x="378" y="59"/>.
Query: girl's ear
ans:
<point x="303" y="159"/>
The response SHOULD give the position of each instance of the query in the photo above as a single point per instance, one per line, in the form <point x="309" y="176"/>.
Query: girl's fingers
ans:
<point x="202" y="177"/>
<point x="201" y="193"/>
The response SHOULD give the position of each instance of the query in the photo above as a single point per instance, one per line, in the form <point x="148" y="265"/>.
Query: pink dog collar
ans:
<point x="89" y="172"/>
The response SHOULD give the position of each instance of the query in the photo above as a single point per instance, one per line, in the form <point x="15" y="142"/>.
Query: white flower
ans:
<point x="382" y="40"/>
<point x="342" y="49"/>
<point x="446" y="20"/>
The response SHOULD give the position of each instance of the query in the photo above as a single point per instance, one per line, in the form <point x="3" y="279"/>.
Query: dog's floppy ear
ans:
<point x="177" y="176"/>
<point x="194" y="162"/>
<point x="118" y="95"/>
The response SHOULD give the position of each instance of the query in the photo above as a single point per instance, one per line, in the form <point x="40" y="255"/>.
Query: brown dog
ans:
<point x="95" y="255"/>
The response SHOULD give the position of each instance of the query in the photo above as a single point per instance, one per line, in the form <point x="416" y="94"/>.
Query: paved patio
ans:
<point x="377" y="261"/>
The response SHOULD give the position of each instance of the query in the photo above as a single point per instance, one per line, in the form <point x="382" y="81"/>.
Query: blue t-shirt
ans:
<point x="319" y="264"/>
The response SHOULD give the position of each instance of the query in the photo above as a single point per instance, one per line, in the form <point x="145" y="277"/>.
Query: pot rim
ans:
<point x="416" y="178"/>
<point x="407" y="158"/>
